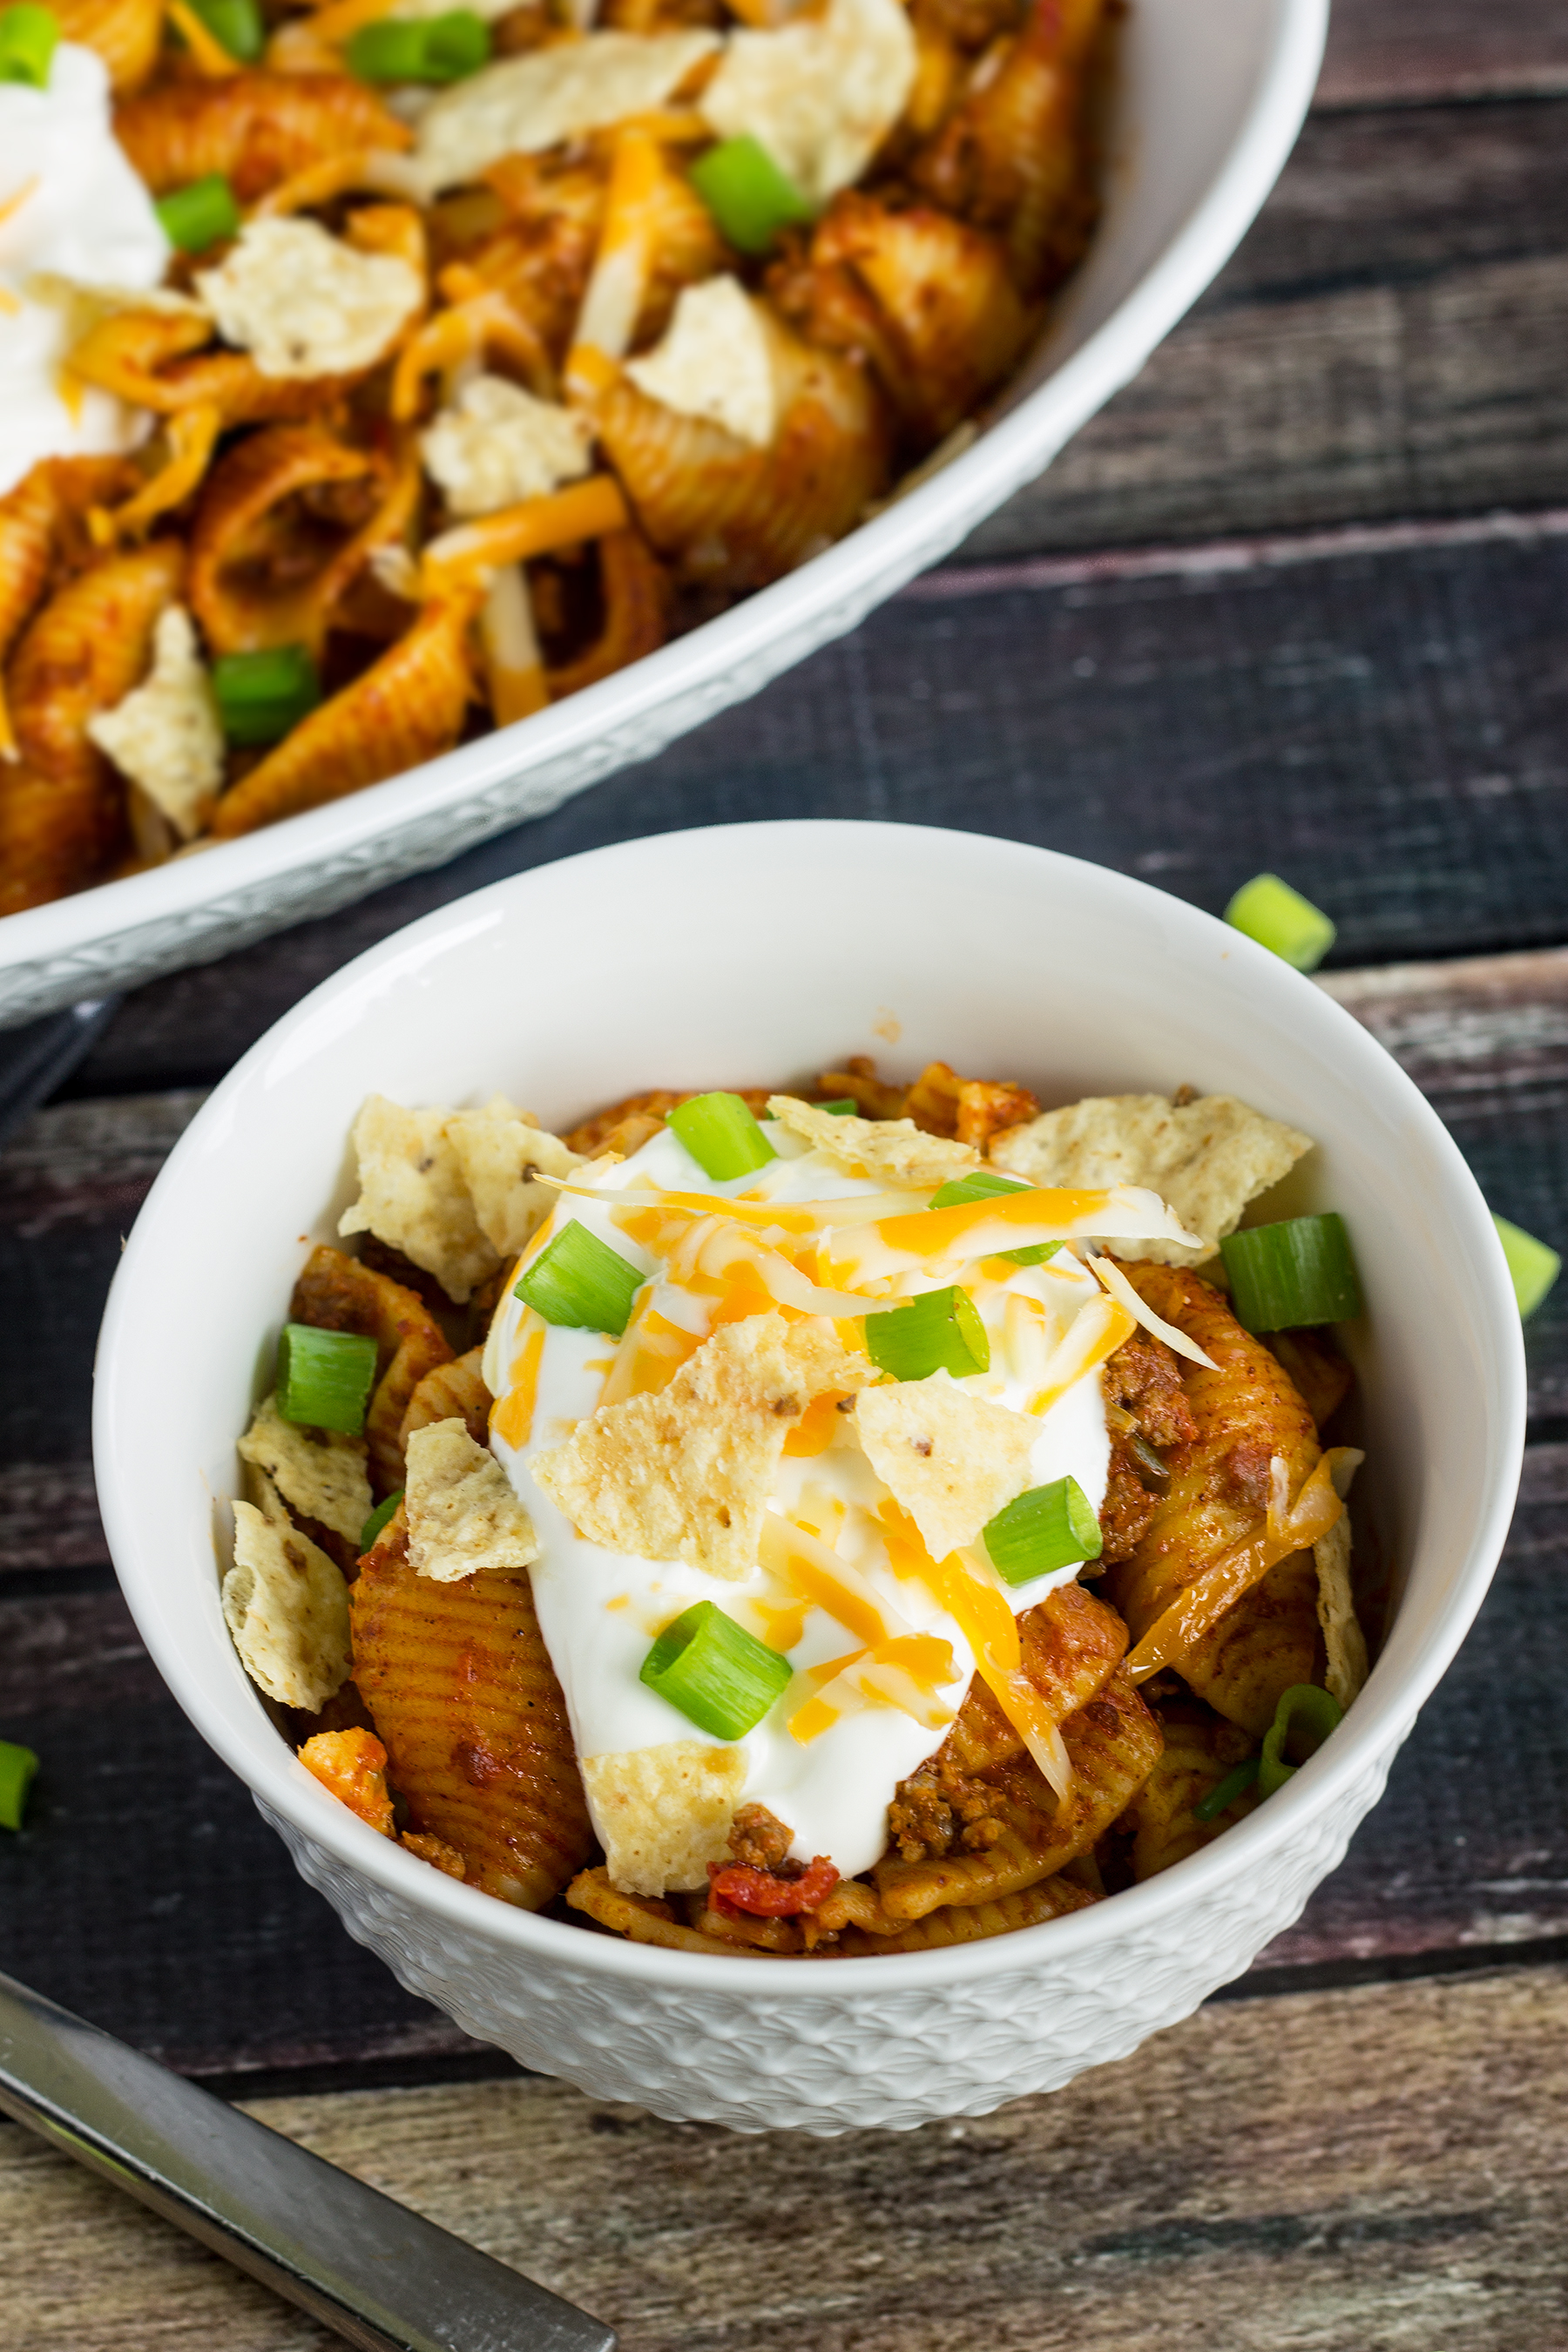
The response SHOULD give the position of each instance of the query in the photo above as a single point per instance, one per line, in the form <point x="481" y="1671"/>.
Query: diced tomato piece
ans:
<point x="733" y="1887"/>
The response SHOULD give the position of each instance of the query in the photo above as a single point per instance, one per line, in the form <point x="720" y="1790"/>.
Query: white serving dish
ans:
<point x="1210" y="95"/>
<point x="759" y="953"/>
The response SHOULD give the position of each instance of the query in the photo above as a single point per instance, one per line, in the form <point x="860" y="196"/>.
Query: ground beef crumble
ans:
<point x="1143" y="1385"/>
<point x="937" y="1811"/>
<point x="759" y="1841"/>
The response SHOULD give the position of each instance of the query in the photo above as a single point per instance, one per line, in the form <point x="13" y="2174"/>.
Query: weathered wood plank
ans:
<point x="1332" y="2171"/>
<point x="1394" y="52"/>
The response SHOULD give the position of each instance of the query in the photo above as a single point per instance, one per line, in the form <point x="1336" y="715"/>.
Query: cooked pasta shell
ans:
<point x="542" y="257"/>
<point x="1246" y="1410"/>
<point x="125" y="33"/>
<point x="154" y="359"/>
<point x="452" y="1391"/>
<point x="338" y="1294"/>
<point x="256" y="127"/>
<point x="1072" y="1644"/>
<point x="635" y="593"/>
<point x="736" y="515"/>
<point x="408" y="707"/>
<point x="1049" y="1898"/>
<point x="473" y="1721"/>
<point x="1200" y="1748"/>
<point x="52" y="495"/>
<point x="644" y="1919"/>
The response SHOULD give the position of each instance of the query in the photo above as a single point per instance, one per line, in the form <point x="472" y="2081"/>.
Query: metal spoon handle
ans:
<point x="380" y="2275"/>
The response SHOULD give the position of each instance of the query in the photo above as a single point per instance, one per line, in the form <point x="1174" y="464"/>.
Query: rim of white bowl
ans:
<point x="1380" y="1719"/>
<point x="890" y="548"/>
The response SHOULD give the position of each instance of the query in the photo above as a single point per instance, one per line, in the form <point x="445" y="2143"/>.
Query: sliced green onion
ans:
<point x="1305" y="1710"/>
<point x="1225" y="1793"/>
<point x="939" y="1332"/>
<point x="324" y="1378"/>
<point x="1051" y="1527"/>
<point x="1280" y="919"/>
<point x="29" y="37"/>
<point x="983" y="1184"/>
<point x="717" y="1673"/>
<point x="261" y="695"/>
<point x="237" y="25"/>
<point x="747" y="194"/>
<point x="1532" y="1265"/>
<point x="721" y="1136"/>
<point x="196" y="217"/>
<point x="425" y="48"/>
<point x="19" y="1767"/>
<point x="1297" y="1272"/>
<point x="580" y="1281"/>
<point x="845" y="1107"/>
<point x="378" y="1519"/>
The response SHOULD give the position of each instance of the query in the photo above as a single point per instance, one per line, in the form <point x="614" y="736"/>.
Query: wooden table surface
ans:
<point x="1297" y="599"/>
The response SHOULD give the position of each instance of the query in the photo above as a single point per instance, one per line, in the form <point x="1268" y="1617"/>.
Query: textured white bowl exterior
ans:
<point x="657" y="962"/>
<point x="1210" y="96"/>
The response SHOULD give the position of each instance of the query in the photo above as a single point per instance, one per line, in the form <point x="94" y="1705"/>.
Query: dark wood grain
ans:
<point x="1383" y="52"/>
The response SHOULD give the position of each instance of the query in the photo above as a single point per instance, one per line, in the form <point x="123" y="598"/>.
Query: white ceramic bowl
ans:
<point x="1210" y="96"/>
<point x="758" y="953"/>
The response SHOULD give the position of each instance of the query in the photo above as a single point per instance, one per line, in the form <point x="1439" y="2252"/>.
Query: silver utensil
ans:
<point x="33" y="1061"/>
<point x="380" y="2275"/>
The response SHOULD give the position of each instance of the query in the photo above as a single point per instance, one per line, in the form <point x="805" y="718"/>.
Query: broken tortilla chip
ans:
<point x="1343" y="1640"/>
<point x="499" y="1150"/>
<point x="663" y="1814"/>
<point x="414" y="1197"/>
<point x="894" y="1151"/>
<point x="1207" y="1160"/>
<point x="320" y="1473"/>
<point x="951" y="1459"/>
<point x="685" y="1474"/>
<point x="462" y="1513"/>
<point x="288" y="1609"/>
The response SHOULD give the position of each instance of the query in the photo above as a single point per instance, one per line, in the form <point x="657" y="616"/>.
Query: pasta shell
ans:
<point x="256" y="127"/>
<point x="125" y="33"/>
<point x="1049" y="1898"/>
<point x="636" y="594"/>
<point x="154" y="360"/>
<point x="1200" y="1748"/>
<point x="336" y="1293"/>
<point x="472" y="1718"/>
<point x="645" y="1919"/>
<point x="453" y="1391"/>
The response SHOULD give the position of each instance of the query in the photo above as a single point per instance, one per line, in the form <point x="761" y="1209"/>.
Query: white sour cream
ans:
<point x="70" y="206"/>
<point x="599" y="1610"/>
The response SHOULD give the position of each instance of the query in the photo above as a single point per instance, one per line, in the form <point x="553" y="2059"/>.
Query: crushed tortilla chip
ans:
<point x="320" y="1473"/>
<point x="1343" y="1640"/>
<point x="288" y="1609"/>
<point x="498" y="1150"/>
<point x="462" y="1513"/>
<point x="1206" y="1159"/>
<point x="685" y="1472"/>
<point x="663" y="1814"/>
<point x="893" y="1150"/>
<point x="412" y="1195"/>
<point x="951" y="1459"/>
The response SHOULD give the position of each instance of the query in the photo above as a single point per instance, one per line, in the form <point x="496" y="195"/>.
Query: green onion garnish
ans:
<point x="939" y="1332"/>
<point x="983" y="1184"/>
<point x="19" y="1767"/>
<point x="581" y="1281"/>
<point x="1280" y="919"/>
<point x="1051" y="1527"/>
<point x="237" y="25"/>
<point x="747" y="194"/>
<point x="378" y="1519"/>
<point x="28" y="36"/>
<point x="1225" y="1793"/>
<point x="261" y="695"/>
<point x="324" y="1378"/>
<point x="1287" y="1276"/>
<point x="716" y="1673"/>
<point x="1304" y="1710"/>
<point x="426" y="49"/>
<point x="196" y="217"/>
<point x="1532" y="1265"/>
<point x="845" y="1107"/>
<point x="721" y="1136"/>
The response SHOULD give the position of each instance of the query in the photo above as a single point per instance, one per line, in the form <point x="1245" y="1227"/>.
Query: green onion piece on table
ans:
<point x="1280" y="919"/>
<point x="721" y="1136"/>
<point x="196" y="217"/>
<point x="748" y="196"/>
<point x="1285" y="1276"/>
<point x="1051" y="1527"/>
<point x="717" y="1673"/>
<point x="421" y="49"/>
<point x="261" y="695"/>
<point x="939" y="1332"/>
<point x="1532" y="1265"/>
<point x="237" y="25"/>
<point x="1225" y="1792"/>
<point x="378" y="1519"/>
<point x="983" y="1184"/>
<point x="29" y="37"/>
<point x="845" y="1107"/>
<point x="580" y="1281"/>
<point x="19" y="1767"/>
<point x="1304" y="1711"/>
<point x="324" y="1378"/>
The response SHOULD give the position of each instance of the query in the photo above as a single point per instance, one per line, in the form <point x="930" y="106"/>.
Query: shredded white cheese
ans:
<point x="303" y="304"/>
<point x="165" y="735"/>
<point x="525" y="105"/>
<point x="820" y="94"/>
<point x="715" y="361"/>
<point x="497" y="445"/>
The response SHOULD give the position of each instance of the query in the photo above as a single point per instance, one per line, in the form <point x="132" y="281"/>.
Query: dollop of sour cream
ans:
<point x="600" y="1610"/>
<point x="70" y="206"/>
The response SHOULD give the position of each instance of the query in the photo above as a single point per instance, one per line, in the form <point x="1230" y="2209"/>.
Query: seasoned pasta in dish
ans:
<point x="378" y="371"/>
<point x="820" y="1524"/>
